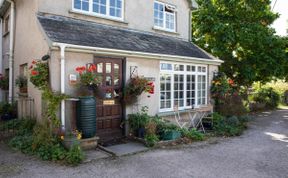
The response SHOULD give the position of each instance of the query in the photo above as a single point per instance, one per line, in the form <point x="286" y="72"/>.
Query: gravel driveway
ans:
<point x="262" y="151"/>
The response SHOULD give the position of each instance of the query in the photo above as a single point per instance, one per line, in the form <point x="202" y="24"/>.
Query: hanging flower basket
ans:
<point x="135" y="87"/>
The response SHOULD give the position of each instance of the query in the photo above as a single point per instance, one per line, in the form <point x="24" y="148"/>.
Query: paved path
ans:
<point x="261" y="152"/>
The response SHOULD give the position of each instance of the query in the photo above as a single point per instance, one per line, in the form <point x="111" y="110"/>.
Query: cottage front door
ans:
<point x="109" y="107"/>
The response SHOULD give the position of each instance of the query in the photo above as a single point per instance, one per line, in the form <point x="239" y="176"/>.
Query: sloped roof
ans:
<point x="85" y="33"/>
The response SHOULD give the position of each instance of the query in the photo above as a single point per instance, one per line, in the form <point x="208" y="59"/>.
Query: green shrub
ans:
<point x="193" y="134"/>
<point x="267" y="96"/>
<point x="151" y="139"/>
<point x="231" y="106"/>
<point x="22" y="143"/>
<point x="39" y="140"/>
<point x="227" y="126"/>
<point x="75" y="155"/>
<point x="244" y="119"/>
<point x="21" y="126"/>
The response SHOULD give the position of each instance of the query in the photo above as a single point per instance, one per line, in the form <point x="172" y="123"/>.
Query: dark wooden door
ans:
<point x="109" y="107"/>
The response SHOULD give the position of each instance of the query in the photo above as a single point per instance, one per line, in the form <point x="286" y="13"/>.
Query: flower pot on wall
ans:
<point x="86" y="116"/>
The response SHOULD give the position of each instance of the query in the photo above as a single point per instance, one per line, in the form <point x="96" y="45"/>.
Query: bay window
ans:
<point x="103" y="8"/>
<point x="182" y="85"/>
<point x="164" y="16"/>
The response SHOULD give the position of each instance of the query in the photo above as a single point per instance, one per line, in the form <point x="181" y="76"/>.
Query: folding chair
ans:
<point x="196" y="117"/>
<point x="179" y="120"/>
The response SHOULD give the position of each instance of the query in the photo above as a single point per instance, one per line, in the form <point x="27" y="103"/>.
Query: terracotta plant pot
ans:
<point x="69" y="142"/>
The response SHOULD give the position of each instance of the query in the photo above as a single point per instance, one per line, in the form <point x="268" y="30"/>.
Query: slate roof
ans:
<point x="85" y="33"/>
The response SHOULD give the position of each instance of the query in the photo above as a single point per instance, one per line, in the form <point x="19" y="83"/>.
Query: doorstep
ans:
<point x="96" y="154"/>
<point x="125" y="149"/>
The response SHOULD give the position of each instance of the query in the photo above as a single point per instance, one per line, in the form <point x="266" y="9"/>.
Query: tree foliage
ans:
<point x="239" y="32"/>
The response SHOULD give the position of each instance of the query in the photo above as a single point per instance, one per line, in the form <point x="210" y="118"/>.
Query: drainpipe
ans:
<point x="1" y="55"/>
<point x="11" y="49"/>
<point x="62" y="54"/>
<point x="62" y="47"/>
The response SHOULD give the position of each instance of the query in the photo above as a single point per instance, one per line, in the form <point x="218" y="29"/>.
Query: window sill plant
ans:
<point x="21" y="83"/>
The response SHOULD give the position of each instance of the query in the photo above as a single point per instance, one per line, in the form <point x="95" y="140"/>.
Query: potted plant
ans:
<point x="71" y="138"/>
<point x="4" y="82"/>
<point x="135" y="87"/>
<point x="168" y="131"/>
<point x="86" y="106"/>
<point x="8" y="111"/>
<point x="88" y="80"/>
<point x="21" y="82"/>
<point x="138" y="121"/>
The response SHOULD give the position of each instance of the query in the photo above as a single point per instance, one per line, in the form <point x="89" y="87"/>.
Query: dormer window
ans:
<point x="102" y="8"/>
<point x="164" y="16"/>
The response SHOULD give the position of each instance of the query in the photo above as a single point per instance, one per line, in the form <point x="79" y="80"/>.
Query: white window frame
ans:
<point x="107" y="16"/>
<point x="164" y="28"/>
<point x="185" y="73"/>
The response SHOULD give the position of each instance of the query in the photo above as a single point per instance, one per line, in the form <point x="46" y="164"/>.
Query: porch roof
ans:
<point x="86" y="33"/>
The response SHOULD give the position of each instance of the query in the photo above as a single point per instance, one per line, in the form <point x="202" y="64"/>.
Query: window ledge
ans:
<point x="171" y="113"/>
<point x="165" y="31"/>
<point x="98" y="16"/>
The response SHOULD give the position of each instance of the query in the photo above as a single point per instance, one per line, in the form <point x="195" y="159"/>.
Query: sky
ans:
<point x="281" y="24"/>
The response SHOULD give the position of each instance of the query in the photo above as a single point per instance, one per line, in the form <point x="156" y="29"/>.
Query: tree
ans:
<point x="239" y="32"/>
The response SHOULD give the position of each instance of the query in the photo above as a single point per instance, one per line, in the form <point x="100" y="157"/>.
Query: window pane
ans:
<point x="199" y="69"/>
<point x="165" y="66"/>
<point x="165" y="91"/>
<point x="108" y="81"/>
<point x="158" y="14"/>
<point x="85" y="5"/>
<point x="102" y="9"/>
<point x="112" y="12"/>
<point x="99" y="6"/>
<point x="203" y="69"/>
<point x="100" y="68"/>
<point x="116" y="75"/>
<point x="108" y="68"/>
<point x="179" y="90"/>
<point x="170" y="21"/>
<point x="178" y="67"/>
<point x="116" y="8"/>
<point x="77" y="4"/>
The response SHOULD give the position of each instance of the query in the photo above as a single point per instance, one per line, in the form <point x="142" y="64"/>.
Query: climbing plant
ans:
<point x="39" y="77"/>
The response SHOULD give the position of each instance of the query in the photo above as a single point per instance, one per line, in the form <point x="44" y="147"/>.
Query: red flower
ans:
<point x="90" y="69"/>
<point x="34" y="72"/>
<point x="31" y="67"/>
<point x="150" y="87"/>
<point x="80" y="70"/>
<point x="34" y="62"/>
<point x="230" y="81"/>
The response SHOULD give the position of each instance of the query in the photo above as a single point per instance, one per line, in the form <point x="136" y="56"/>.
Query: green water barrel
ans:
<point x="86" y="116"/>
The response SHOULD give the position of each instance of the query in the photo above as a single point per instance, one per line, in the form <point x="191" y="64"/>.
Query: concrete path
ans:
<point x="261" y="152"/>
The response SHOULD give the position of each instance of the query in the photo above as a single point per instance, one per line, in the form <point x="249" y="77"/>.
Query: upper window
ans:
<point x="103" y="8"/>
<point x="164" y="16"/>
